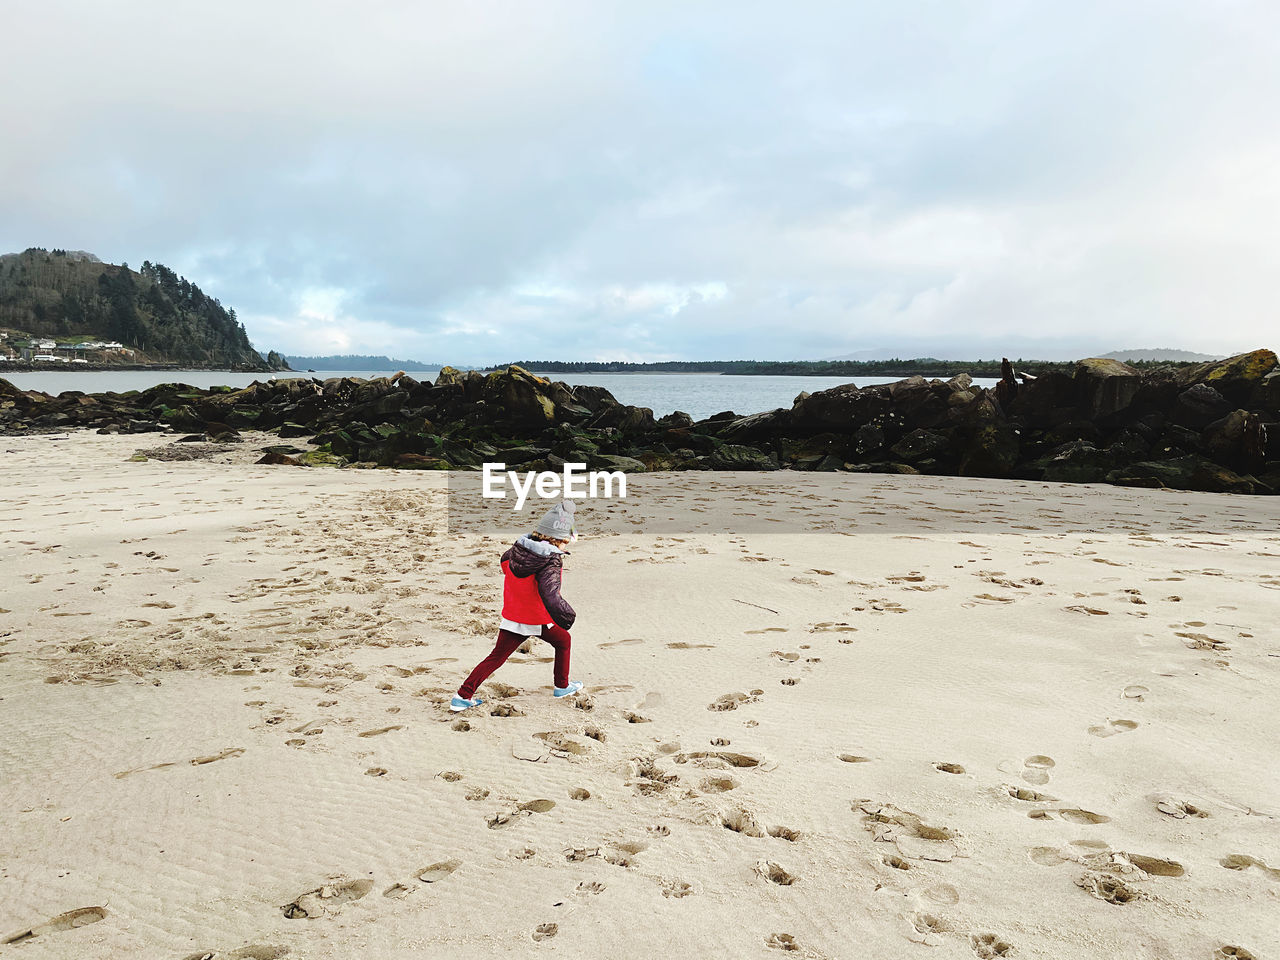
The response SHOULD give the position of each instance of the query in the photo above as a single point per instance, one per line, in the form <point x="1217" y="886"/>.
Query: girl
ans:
<point x="531" y="604"/>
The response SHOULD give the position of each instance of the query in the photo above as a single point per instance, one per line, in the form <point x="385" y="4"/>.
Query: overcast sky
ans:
<point x="478" y="182"/>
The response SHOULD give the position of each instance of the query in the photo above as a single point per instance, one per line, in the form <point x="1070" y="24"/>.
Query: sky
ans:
<point x="482" y="182"/>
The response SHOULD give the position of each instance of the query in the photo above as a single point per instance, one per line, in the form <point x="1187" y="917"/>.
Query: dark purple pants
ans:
<point x="506" y="645"/>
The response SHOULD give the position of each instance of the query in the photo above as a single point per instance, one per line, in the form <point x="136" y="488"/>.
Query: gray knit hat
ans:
<point x="557" y="523"/>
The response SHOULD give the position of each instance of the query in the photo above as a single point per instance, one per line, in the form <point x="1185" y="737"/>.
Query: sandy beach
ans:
<point x="928" y="717"/>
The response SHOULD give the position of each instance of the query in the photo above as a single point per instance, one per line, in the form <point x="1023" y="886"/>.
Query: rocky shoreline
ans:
<point x="1193" y="428"/>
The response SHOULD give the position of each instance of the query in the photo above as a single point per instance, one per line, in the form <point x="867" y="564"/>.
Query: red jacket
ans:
<point x="532" y="572"/>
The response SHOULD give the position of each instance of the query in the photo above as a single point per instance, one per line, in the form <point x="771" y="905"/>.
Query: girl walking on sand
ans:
<point x="531" y="604"/>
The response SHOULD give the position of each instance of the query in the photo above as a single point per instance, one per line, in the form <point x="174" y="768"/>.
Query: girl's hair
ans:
<point x="538" y="536"/>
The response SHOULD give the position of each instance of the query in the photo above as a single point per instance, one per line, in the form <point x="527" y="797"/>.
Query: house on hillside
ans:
<point x="45" y="345"/>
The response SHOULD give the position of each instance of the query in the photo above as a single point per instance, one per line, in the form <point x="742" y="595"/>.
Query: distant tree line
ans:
<point x="357" y="361"/>
<point x="924" y="366"/>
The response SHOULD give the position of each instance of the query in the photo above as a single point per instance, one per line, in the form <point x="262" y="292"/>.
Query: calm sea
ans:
<point x="697" y="394"/>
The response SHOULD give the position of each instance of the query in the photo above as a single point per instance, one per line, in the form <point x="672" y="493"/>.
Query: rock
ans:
<point x="417" y="461"/>
<point x="182" y="418"/>
<point x="318" y="458"/>
<point x="882" y="467"/>
<point x="625" y="419"/>
<point x="289" y="430"/>
<point x="1007" y="388"/>
<point x="282" y="459"/>
<point x="593" y="398"/>
<point x="222" y="433"/>
<point x="922" y="402"/>
<point x="448" y="375"/>
<point x="1236" y="378"/>
<point x="757" y="426"/>
<point x="1184" y="473"/>
<point x="810" y="453"/>
<point x="869" y="438"/>
<point x="1076" y="462"/>
<point x="1045" y="401"/>
<point x="1198" y="406"/>
<point x="514" y="456"/>
<point x="843" y="408"/>
<point x="990" y="452"/>
<point x="736" y="456"/>
<point x="1238" y="440"/>
<point x="614" y="462"/>
<point x="677" y="419"/>
<point x="920" y="445"/>
<point x="1105" y="387"/>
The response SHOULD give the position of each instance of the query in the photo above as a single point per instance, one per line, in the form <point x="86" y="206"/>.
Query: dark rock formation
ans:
<point x="1202" y="428"/>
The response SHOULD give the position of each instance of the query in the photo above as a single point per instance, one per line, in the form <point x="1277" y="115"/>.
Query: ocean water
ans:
<point x="698" y="394"/>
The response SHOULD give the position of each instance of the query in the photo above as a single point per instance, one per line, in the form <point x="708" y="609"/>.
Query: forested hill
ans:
<point x="165" y="317"/>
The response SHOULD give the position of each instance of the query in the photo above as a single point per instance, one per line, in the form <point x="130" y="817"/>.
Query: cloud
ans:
<point x="472" y="183"/>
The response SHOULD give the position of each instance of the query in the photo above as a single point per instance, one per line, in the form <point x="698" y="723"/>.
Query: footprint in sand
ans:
<point x="380" y="731"/>
<point x="1112" y="727"/>
<point x="988" y="946"/>
<point x="1107" y="888"/>
<point x="63" y="921"/>
<point x="853" y="758"/>
<point x="913" y="838"/>
<point x="1030" y="796"/>
<point x="743" y="821"/>
<point x="1036" y="769"/>
<point x="1179" y="809"/>
<point x="546" y="931"/>
<point x="676" y="889"/>
<point x="224" y="755"/>
<point x="945" y="767"/>
<point x="731" y="701"/>
<point x="254" y="951"/>
<point x="1228" y="952"/>
<point x="1070" y="815"/>
<point x="561" y="743"/>
<point x="719" y="758"/>
<point x="717" y="784"/>
<point x="927" y="928"/>
<point x="325" y="899"/>
<point x="775" y="873"/>
<point x="589" y="888"/>
<point x="1242" y="861"/>
<point x="438" y="871"/>
<point x="943" y="893"/>
<point x="782" y="941"/>
<point x="1135" y="691"/>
